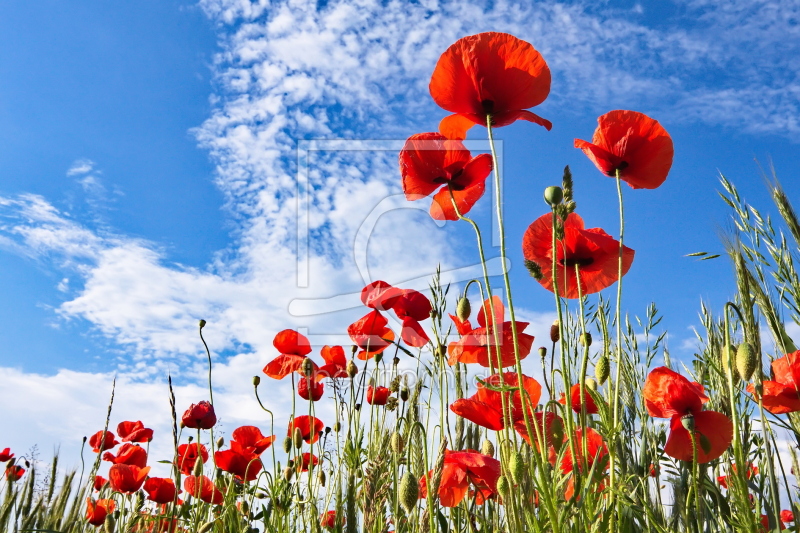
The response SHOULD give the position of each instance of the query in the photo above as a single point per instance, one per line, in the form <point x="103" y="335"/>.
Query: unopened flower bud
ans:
<point x="297" y="438"/>
<point x="746" y="361"/>
<point x="288" y="473"/>
<point x="503" y="486"/>
<point x="397" y="444"/>
<point x="321" y="478"/>
<point x="198" y="468"/>
<point x="190" y="439"/>
<point x="586" y="339"/>
<point x="358" y="407"/>
<point x="378" y="357"/>
<point x="688" y="422"/>
<point x="463" y="308"/>
<point x="352" y="369"/>
<point x="256" y="381"/>
<point x="555" y="334"/>
<point x="516" y="467"/>
<point x="337" y="426"/>
<point x="553" y="195"/>
<point x="396" y="361"/>
<point x="202" y="323"/>
<point x="307" y="367"/>
<point x="327" y="430"/>
<point x="542" y="352"/>
<point x="110" y="524"/>
<point x="487" y="448"/>
<point x="590" y="383"/>
<point x="409" y="492"/>
<point x="220" y="442"/>
<point x="404" y="394"/>
<point x="287" y="444"/>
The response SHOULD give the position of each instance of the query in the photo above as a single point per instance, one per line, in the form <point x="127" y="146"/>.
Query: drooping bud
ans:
<point x="288" y="473"/>
<point x="586" y="339"/>
<point x="487" y="448"/>
<point x="398" y="444"/>
<point x="110" y="523"/>
<point x="602" y="369"/>
<point x="256" y="381"/>
<point x="198" y="468"/>
<point x="408" y="492"/>
<point x="590" y="383"/>
<point x="746" y="361"/>
<point x="220" y="442"/>
<point x="516" y="467"/>
<point x="503" y="486"/>
<point x="337" y="426"/>
<point x="688" y="422"/>
<point x="352" y="369"/>
<point x="463" y="308"/>
<point x="555" y="334"/>
<point x="321" y="478"/>
<point x="297" y="438"/>
<point x="553" y="195"/>
<point x="307" y="367"/>
<point x="287" y="444"/>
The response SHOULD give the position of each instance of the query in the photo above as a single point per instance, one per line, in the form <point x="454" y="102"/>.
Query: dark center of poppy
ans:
<point x="451" y="180"/>
<point x="622" y="166"/>
<point x="579" y="261"/>
<point x="488" y="106"/>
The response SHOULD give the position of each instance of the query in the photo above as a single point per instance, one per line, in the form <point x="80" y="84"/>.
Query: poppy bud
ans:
<point x="288" y="472"/>
<point x="198" y="468"/>
<point x="553" y="195"/>
<point x="404" y="394"/>
<point x="503" y="486"/>
<point x="688" y="422"/>
<point x="378" y="357"/>
<point x="352" y="369"/>
<point x="602" y="369"/>
<point x="337" y="426"/>
<point x="190" y="439"/>
<point x="441" y="351"/>
<point x="586" y="339"/>
<point x="397" y="443"/>
<point x="298" y="438"/>
<point x="517" y="467"/>
<point x="256" y="381"/>
<point x="487" y="448"/>
<point x="220" y="442"/>
<point x="746" y="361"/>
<point x="287" y="444"/>
<point x="358" y="407"/>
<point x="409" y="492"/>
<point x="542" y="352"/>
<point x="110" y="524"/>
<point x="590" y="384"/>
<point x="396" y="361"/>
<point x="327" y="430"/>
<point x="555" y="334"/>
<point x="202" y="323"/>
<point x="463" y="308"/>
<point x="321" y="478"/>
<point x="84" y="439"/>
<point x="307" y="367"/>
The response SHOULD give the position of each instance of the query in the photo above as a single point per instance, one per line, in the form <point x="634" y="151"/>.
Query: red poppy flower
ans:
<point x="306" y="460"/>
<point x="489" y="74"/>
<point x="485" y="407"/>
<point x="248" y="439"/>
<point x="575" y="400"/>
<point x="14" y="472"/>
<point x="478" y="345"/>
<point x="371" y="334"/>
<point x="204" y="489"/>
<point x="752" y="470"/>
<point x="96" y="440"/>
<point x="380" y="295"/>
<point x="409" y="305"/>
<point x="782" y="395"/>
<point x="593" y="250"/>
<point x="328" y="520"/>
<point x="553" y="426"/>
<point x="460" y="469"/>
<point x="6" y="455"/>
<point x="96" y="511"/>
<point x="199" y="416"/>
<point x="765" y="524"/>
<point x="245" y="466"/>
<point x="293" y="348"/>
<point x="429" y="162"/>
<point x="310" y="427"/>
<point x="160" y="489"/>
<point x="787" y="516"/>
<point x="633" y="143"/>
<point x="596" y="454"/>
<point x="188" y="455"/>
<point x="667" y="394"/>
<point x="653" y="470"/>
<point x="308" y="389"/>
<point x="128" y="454"/>
<point x="134" y="432"/>
<point x="335" y="363"/>
<point x="126" y="478"/>
<point x="378" y="395"/>
<point x="99" y="483"/>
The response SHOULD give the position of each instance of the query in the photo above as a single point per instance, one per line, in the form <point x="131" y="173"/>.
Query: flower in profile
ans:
<point x="160" y="489"/>
<point x="293" y="348"/>
<point x="134" y="432"/>
<point x="430" y="163"/>
<point x="328" y="520"/>
<point x="632" y="143"/>
<point x="479" y="344"/>
<point x="752" y="471"/>
<point x="6" y="455"/>
<point x="371" y="334"/>
<point x="378" y="395"/>
<point x="335" y="366"/>
<point x="126" y="478"/>
<point x="596" y="454"/>
<point x="550" y="423"/>
<point x="783" y="394"/>
<point x="249" y="439"/>
<point x="593" y="251"/>
<point x="14" y="472"/>
<point x="489" y="74"/>
<point x="310" y="427"/>
<point x="459" y="471"/>
<point x="96" y="511"/>
<point x="310" y="389"/>
<point x="787" y="515"/>
<point x="199" y="416"/>
<point x="575" y="399"/>
<point x="409" y="305"/>
<point x="242" y="464"/>
<point x="203" y="488"/>
<point x="485" y="407"/>
<point x="667" y="394"/>
<point x="128" y="454"/>
<point x="307" y="460"/>
<point x="99" y="483"/>
<point x="102" y="441"/>
<point x="188" y="454"/>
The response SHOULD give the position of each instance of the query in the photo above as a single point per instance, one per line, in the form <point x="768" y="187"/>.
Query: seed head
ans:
<point x="688" y="422"/>
<point x="553" y="196"/>
<point x="256" y="381"/>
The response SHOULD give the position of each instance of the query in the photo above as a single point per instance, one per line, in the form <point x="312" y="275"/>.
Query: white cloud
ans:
<point x="80" y="166"/>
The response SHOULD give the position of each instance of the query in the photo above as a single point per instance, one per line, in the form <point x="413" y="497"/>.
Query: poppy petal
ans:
<point x="456" y="126"/>
<point x="442" y="205"/>
<point x="715" y="433"/>
<point x="284" y="364"/>
<point x="479" y="413"/>
<point x="289" y="341"/>
<point x="668" y="394"/>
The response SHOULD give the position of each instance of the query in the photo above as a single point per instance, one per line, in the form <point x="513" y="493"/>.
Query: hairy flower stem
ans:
<point x="582" y="379"/>
<point x="695" y="482"/>
<point x="618" y="372"/>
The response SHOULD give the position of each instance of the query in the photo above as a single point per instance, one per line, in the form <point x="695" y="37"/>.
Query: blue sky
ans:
<point x="148" y="163"/>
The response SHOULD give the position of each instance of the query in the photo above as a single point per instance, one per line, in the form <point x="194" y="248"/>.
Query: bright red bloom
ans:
<point x="248" y="439"/>
<point x="633" y="143"/>
<point x="752" y="470"/>
<point x="667" y="394"/>
<point x="380" y="295"/>
<point x="6" y="455"/>
<point x="409" y="305"/>
<point x="478" y="345"/>
<point x="293" y="348"/>
<point x="306" y="460"/>
<point x="14" y="472"/>
<point x="575" y="399"/>
<point x="309" y="389"/>
<point x="378" y="395"/>
<point x="96" y="440"/>
<point x="244" y="465"/>
<point x="371" y="334"/>
<point x="596" y="457"/>
<point x="782" y="395"/>
<point x="489" y="74"/>
<point x="328" y="520"/>
<point x="310" y="427"/>
<point x="134" y="432"/>
<point x="485" y="407"/>
<point x="188" y="455"/>
<point x="787" y="516"/>
<point x="96" y="511"/>
<point x="126" y="478"/>
<point x="594" y="251"/>
<point x="199" y="416"/>
<point x="99" y="483"/>
<point x="160" y="489"/>
<point x="429" y="162"/>
<point x="765" y="524"/>
<point x="653" y="470"/>
<point x="461" y="469"/>
<point x="128" y="454"/>
<point x="335" y="363"/>
<point x="204" y="489"/>
<point x="551" y="428"/>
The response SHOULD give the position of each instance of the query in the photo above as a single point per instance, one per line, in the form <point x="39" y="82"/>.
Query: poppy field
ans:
<point x="611" y="435"/>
